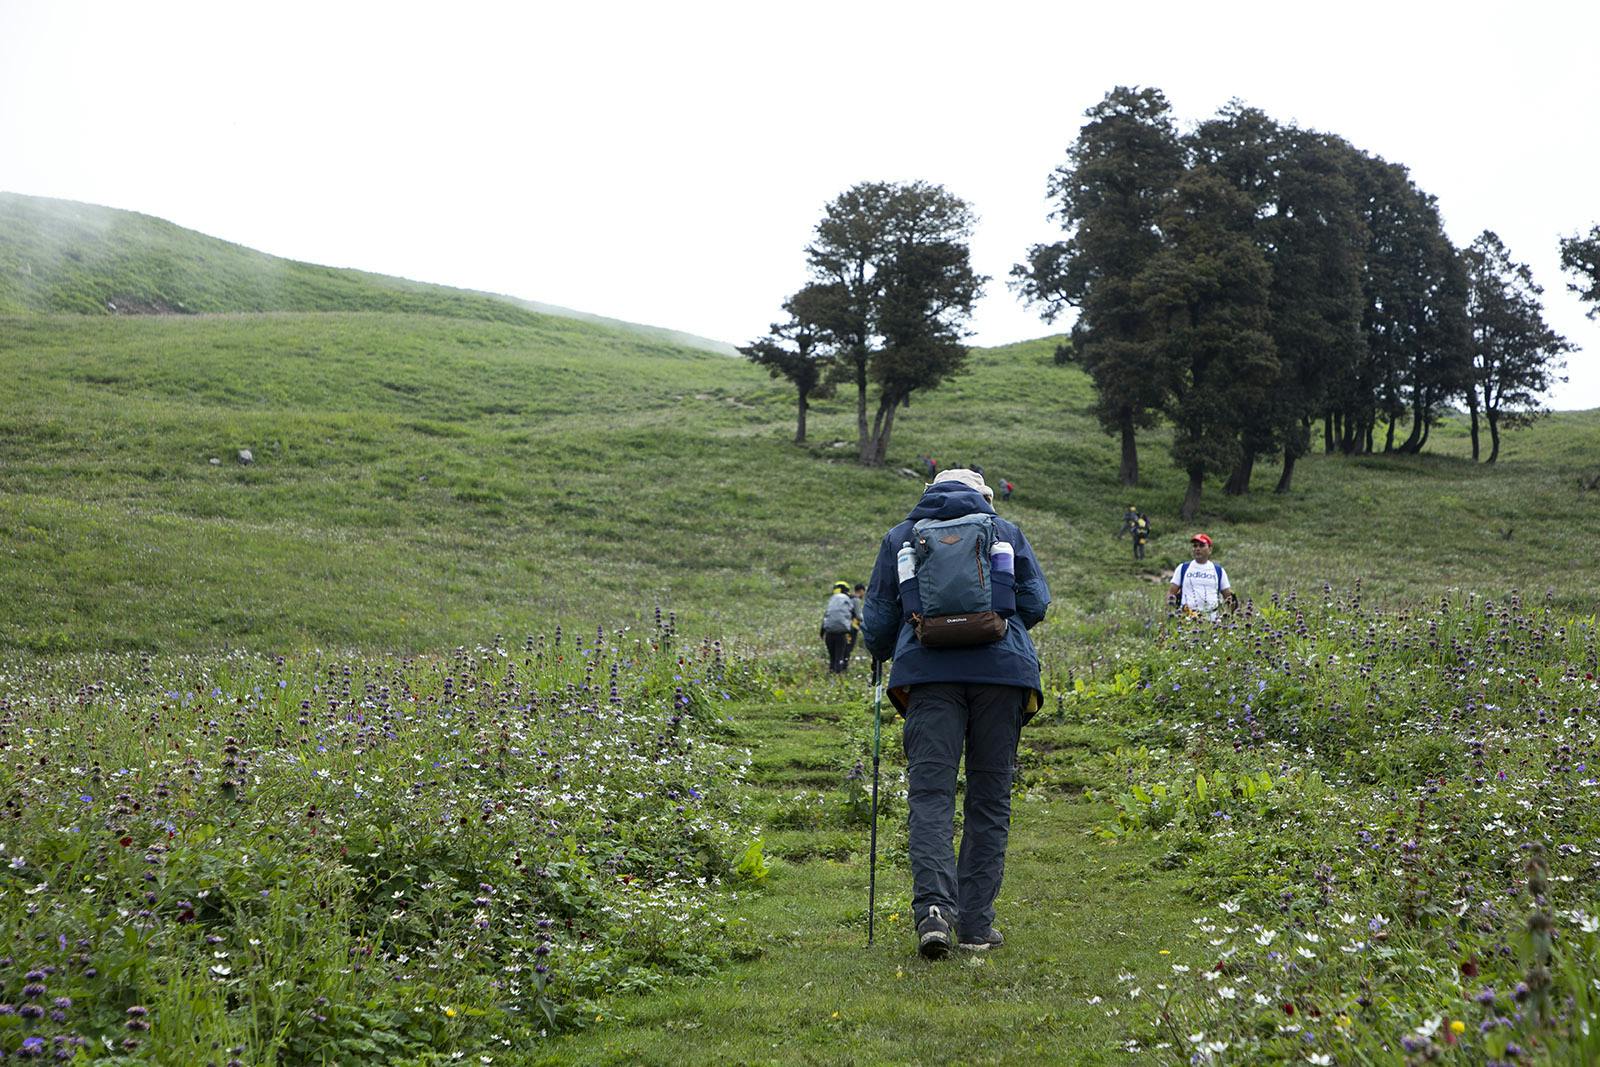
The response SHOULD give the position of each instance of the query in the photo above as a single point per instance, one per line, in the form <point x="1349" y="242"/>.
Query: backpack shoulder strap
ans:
<point x="1177" y="579"/>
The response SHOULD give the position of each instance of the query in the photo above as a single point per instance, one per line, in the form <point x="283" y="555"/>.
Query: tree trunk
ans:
<point x="1327" y="433"/>
<point x="1472" y="407"/>
<point x="1347" y="433"/>
<point x="800" y="425"/>
<point x="1371" y="425"/>
<point x="1288" y="471"/>
<point x="1388" y="441"/>
<point x="1493" y="417"/>
<point x="1419" y="416"/>
<point x="1239" y="481"/>
<point x="882" y="427"/>
<point x="863" y="440"/>
<point x="882" y="450"/>
<point x="1191" y="499"/>
<point x="1128" y="474"/>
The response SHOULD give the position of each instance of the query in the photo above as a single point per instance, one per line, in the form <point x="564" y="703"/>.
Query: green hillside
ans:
<point x="432" y="466"/>
<point x="64" y="256"/>
<point x="420" y="480"/>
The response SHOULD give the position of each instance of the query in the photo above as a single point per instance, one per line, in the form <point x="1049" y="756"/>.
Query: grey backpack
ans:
<point x="955" y="584"/>
<point x="838" y="613"/>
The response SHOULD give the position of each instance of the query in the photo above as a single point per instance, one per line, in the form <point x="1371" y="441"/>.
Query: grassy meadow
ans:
<point x="479" y="717"/>
<point x="420" y="480"/>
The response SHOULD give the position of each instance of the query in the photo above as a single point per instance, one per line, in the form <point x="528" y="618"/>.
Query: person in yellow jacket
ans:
<point x="840" y="618"/>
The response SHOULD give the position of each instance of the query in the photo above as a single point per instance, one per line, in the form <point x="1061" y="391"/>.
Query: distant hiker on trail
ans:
<point x="1006" y="489"/>
<point x="859" y="595"/>
<point x="841" y="615"/>
<point x="1136" y="526"/>
<point x="1129" y="517"/>
<point x="965" y="676"/>
<point x="1199" y="586"/>
<point x="928" y="465"/>
<point x="1141" y="535"/>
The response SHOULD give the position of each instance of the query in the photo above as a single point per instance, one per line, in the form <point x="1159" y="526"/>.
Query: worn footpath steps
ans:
<point x="1076" y="912"/>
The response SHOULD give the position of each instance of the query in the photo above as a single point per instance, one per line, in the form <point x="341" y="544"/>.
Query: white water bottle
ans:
<point x="910" y="592"/>
<point x="906" y="562"/>
<point x="1003" y="565"/>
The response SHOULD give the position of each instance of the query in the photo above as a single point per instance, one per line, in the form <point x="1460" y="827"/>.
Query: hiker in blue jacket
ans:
<point x="967" y="697"/>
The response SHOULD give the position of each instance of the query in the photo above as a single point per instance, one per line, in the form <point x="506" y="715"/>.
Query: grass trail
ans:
<point x="1076" y="911"/>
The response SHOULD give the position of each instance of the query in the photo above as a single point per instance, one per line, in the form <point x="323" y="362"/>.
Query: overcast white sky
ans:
<point x="665" y="163"/>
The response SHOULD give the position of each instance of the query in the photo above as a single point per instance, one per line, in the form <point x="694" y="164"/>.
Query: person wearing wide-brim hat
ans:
<point x="841" y="615"/>
<point x="1200" y="586"/>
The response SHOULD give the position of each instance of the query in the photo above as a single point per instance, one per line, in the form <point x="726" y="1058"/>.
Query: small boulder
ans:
<point x="906" y="472"/>
<point x="246" y="457"/>
<point x="214" y="461"/>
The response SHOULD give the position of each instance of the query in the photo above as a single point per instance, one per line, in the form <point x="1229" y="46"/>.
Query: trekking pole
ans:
<point x="877" y="731"/>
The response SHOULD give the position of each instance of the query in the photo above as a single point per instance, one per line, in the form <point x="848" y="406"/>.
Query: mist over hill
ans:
<point x="64" y="256"/>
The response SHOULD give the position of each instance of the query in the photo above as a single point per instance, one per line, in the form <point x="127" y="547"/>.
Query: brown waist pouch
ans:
<point x="950" y="631"/>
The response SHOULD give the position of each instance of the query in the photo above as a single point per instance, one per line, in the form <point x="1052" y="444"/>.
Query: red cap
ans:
<point x="1200" y="539"/>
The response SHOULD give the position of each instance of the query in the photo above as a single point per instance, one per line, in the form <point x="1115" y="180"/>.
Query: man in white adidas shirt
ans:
<point x="1200" y="586"/>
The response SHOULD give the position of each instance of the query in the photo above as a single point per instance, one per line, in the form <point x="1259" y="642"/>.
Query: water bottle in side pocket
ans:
<point x="1002" y="571"/>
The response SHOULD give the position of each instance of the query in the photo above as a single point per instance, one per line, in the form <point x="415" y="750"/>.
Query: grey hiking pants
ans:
<point x="942" y="719"/>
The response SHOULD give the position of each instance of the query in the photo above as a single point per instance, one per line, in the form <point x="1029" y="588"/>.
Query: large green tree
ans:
<point x="1207" y="294"/>
<point x="1245" y="147"/>
<point x="1307" y="227"/>
<point x="1316" y="243"/>
<point x="1417" y="354"/>
<point x="1516" y="356"/>
<point x="893" y="273"/>
<point x="1120" y="173"/>
<point x="1580" y="254"/>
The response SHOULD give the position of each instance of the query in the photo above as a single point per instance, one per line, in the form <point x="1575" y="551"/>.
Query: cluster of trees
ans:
<point x="1249" y="278"/>
<point x="1240" y="281"/>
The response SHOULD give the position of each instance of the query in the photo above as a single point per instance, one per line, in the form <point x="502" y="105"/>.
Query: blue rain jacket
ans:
<point x="886" y="627"/>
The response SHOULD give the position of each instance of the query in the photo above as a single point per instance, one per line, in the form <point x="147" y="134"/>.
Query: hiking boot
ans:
<point x="933" y="935"/>
<point x="982" y="942"/>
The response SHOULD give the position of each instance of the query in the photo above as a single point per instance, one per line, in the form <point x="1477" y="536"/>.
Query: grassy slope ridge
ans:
<point x="65" y="256"/>
<point x="422" y="480"/>
<point x="429" y="473"/>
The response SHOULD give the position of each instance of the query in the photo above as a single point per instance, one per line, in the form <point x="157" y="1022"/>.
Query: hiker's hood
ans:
<point x="949" y="500"/>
